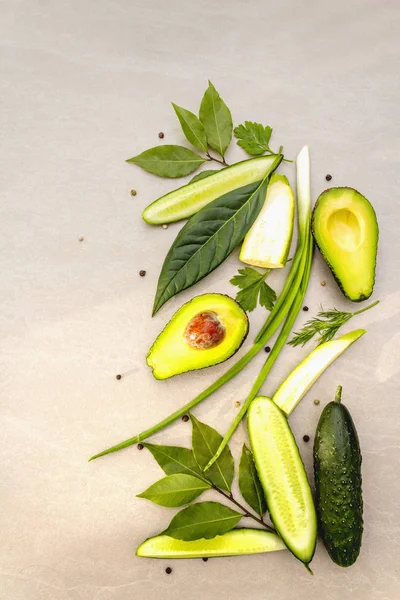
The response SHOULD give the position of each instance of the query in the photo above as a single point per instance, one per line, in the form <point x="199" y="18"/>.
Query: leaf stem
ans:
<point x="221" y="162"/>
<point x="230" y="497"/>
<point x="358" y="312"/>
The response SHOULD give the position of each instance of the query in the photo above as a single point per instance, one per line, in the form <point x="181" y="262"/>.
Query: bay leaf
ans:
<point x="205" y="442"/>
<point x="249" y="482"/>
<point x="202" y="520"/>
<point x="217" y="120"/>
<point x="175" y="490"/>
<point x="168" y="161"/>
<point x="192" y="127"/>
<point x="175" y="459"/>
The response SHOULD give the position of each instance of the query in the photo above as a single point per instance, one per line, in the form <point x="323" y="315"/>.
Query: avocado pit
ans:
<point x="205" y="330"/>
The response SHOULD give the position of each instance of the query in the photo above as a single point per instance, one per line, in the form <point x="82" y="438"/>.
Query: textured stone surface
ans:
<point x="85" y="85"/>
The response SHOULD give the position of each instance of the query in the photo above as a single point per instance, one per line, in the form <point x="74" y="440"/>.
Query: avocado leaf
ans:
<point x="202" y="520"/>
<point x="205" y="442"/>
<point x="175" y="490"/>
<point x="207" y="239"/>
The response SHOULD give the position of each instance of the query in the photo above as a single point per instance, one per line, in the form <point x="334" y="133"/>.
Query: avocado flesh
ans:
<point x="346" y="231"/>
<point x="171" y="353"/>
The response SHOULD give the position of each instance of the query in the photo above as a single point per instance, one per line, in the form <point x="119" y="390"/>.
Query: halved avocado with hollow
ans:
<point x="204" y="332"/>
<point x="346" y="231"/>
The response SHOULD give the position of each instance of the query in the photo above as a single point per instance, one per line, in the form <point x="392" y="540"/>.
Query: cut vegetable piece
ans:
<point x="205" y="331"/>
<point x="268" y="242"/>
<point x="189" y="199"/>
<point x="300" y="380"/>
<point x="234" y="543"/>
<point x="283" y="477"/>
<point x="346" y="231"/>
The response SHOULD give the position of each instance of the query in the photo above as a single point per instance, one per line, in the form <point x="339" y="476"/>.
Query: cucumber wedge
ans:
<point x="283" y="478"/>
<point x="189" y="199"/>
<point x="300" y="380"/>
<point x="234" y="543"/>
<point x="267" y="244"/>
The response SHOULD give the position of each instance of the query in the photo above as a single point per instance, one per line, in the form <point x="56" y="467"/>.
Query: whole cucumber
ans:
<point x="337" y="469"/>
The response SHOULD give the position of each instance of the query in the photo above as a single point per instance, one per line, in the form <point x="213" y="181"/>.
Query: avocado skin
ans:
<point x="337" y="469"/>
<point x="194" y="368"/>
<point x="331" y="267"/>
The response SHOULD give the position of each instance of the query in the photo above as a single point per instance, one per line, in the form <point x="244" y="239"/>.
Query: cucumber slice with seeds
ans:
<point x="283" y="478"/>
<point x="189" y="199"/>
<point x="234" y="543"/>
<point x="267" y="243"/>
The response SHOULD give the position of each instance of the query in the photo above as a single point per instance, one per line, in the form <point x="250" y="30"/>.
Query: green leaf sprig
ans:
<point x="186" y="481"/>
<point x="253" y="138"/>
<point x="325" y="325"/>
<point x="253" y="289"/>
<point x="211" y="130"/>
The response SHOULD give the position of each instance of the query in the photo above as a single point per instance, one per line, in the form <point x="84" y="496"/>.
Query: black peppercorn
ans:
<point x="161" y="135"/>
<point x="142" y="273"/>
<point x="305" y="308"/>
<point x="118" y="376"/>
<point x="185" y="418"/>
<point x="168" y="570"/>
<point x="328" y="177"/>
<point x="205" y="559"/>
<point x="306" y="438"/>
<point x="140" y="446"/>
<point x="267" y="349"/>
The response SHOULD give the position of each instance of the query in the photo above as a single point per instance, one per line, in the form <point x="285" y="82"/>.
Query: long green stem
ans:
<point x="358" y="312"/>
<point x="301" y="284"/>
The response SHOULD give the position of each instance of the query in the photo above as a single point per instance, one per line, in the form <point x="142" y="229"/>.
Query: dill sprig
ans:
<point x="325" y="325"/>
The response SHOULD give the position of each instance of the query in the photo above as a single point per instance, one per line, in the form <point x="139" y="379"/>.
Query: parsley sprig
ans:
<point x="253" y="289"/>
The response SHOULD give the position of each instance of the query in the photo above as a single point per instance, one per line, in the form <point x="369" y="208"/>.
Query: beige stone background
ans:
<point x="83" y="86"/>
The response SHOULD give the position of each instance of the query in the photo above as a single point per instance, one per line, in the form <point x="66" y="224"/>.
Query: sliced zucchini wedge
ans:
<point x="267" y="244"/>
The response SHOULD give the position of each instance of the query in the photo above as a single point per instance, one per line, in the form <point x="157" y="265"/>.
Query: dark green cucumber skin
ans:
<point x="337" y="469"/>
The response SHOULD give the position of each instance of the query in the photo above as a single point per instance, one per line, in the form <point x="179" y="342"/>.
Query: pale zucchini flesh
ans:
<point x="234" y="543"/>
<point x="189" y="199"/>
<point x="267" y="243"/>
<point x="283" y="478"/>
<point x="300" y="380"/>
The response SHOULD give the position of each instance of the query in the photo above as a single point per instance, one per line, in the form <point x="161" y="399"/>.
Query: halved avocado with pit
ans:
<point x="204" y="332"/>
<point x="346" y="231"/>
